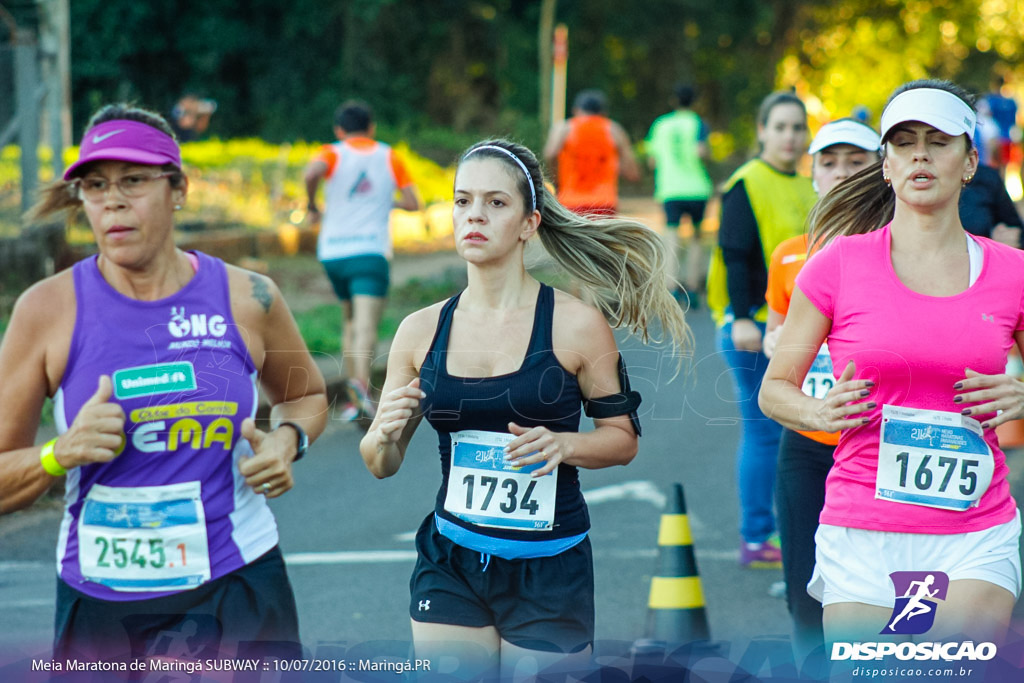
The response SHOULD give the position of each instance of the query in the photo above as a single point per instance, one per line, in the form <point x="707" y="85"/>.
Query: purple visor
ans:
<point x="123" y="140"/>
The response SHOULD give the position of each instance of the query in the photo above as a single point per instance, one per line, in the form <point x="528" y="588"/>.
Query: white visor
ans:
<point x="939" y="108"/>
<point x="845" y="132"/>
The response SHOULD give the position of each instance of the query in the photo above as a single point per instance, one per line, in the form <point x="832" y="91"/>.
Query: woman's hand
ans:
<point x="395" y="410"/>
<point x="269" y="470"/>
<point x="991" y="393"/>
<point x="1007" y="235"/>
<point x="97" y="434"/>
<point x="844" y="402"/>
<point x="770" y="340"/>
<point x="746" y="335"/>
<point x="538" y="444"/>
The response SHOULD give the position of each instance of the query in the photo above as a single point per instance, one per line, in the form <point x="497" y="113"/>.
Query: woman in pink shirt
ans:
<point x="919" y="318"/>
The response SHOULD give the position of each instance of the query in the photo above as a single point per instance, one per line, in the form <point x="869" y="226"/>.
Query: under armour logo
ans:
<point x="988" y="318"/>
<point x="424" y="605"/>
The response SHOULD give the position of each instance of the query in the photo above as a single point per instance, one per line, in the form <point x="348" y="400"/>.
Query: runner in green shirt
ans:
<point x="676" y="145"/>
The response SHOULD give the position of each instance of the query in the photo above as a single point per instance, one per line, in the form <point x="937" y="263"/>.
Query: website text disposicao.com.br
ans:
<point x="951" y="660"/>
<point x="946" y="672"/>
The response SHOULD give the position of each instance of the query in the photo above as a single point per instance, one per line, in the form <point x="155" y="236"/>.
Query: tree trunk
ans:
<point x="545" y="37"/>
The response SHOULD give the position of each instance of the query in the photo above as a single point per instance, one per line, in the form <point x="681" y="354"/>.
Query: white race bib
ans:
<point x="486" y="490"/>
<point x="820" y="380"/>
<point x="932" y="458"/>
<point x="147" y="538"/>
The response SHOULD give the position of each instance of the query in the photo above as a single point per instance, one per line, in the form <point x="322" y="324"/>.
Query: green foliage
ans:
<point x="837" y="44"/>
<point x="445" y="73"/>
<point x="320" y="326"/>
<point x="243" y="181"/>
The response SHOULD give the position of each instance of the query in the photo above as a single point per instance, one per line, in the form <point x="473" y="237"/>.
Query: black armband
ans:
<point x="623" y="403"/>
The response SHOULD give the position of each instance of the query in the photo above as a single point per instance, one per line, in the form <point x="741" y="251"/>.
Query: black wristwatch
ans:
<point x="303" y="439"/>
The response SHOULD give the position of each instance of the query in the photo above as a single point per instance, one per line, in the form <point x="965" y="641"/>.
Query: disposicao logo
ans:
<point x="916" y="595"/>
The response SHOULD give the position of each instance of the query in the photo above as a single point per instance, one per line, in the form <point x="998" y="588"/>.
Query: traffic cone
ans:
<point x="676" y="604"/>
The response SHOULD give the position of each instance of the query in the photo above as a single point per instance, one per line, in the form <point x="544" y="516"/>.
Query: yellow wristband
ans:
<point x="49" y="461"/>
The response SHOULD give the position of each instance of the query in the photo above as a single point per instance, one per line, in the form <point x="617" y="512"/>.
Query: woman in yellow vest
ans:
<point x="765" y="202"/>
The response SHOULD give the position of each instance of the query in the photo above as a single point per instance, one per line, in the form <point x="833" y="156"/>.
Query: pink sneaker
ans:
<point x="760" y="555"/>
<point x="360" y="395"/>
<point x="348" y="413"/>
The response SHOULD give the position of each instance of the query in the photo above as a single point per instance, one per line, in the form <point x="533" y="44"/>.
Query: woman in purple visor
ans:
<point x="154" y="358"/>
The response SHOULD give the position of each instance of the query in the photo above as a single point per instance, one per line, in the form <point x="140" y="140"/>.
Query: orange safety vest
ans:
<point x="588" y="164"/>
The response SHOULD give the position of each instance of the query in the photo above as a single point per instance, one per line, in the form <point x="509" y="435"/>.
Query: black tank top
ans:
<point x="540" y="393"/>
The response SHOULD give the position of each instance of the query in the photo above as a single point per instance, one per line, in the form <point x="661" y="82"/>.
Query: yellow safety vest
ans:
<point x="781" y="203"/>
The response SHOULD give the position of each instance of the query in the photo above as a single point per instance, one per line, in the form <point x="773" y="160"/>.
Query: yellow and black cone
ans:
<point x="676" y="605"/>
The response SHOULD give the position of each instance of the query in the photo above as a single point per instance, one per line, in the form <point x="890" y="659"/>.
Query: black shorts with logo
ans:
<point x="540" y="603"/>
<point x="249" y="613"/>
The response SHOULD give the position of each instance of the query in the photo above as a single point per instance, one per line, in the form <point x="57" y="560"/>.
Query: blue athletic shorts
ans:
<point x="675" y="208"/>
<point x="366" y="275"/>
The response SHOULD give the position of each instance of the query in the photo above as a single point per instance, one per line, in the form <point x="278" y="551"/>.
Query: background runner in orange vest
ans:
<point x="840" y="149"/>
<point x="591" y="151"/>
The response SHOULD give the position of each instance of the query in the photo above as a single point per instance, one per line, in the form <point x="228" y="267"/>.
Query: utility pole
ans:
<point x="55" y="43"/>
<point x="558" y="80"/>
<point x="545" y="35"/>
<point x="26" y="81"/>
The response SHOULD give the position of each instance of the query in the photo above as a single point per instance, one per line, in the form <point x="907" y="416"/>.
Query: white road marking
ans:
<point x="351" y="557"/>
<point x="629" y="490"/>
<point x="30" y="603"/>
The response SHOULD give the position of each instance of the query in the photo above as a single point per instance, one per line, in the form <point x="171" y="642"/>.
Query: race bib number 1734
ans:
<point x="486" y="490"/>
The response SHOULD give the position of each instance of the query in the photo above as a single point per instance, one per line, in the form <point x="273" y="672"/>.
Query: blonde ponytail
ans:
<point x="622" y="261"/>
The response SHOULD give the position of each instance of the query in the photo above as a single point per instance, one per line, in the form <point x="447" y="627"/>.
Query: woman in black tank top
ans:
<point x="501" y="372"/>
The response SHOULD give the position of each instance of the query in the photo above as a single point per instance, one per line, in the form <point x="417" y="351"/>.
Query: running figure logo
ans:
<point x="916" y="593"/>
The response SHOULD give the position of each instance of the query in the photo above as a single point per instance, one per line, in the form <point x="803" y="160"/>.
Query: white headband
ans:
<point x="529" y="178"/>
<point x="845" y="132"/>
<point x="939" y="108"/>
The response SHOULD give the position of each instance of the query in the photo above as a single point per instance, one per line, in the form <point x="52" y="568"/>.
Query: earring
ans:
<point x="968" y="179"/>
<point x="887" y="180"/>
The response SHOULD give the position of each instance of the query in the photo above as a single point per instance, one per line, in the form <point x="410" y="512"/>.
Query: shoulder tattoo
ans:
<point x="261" y="292"/>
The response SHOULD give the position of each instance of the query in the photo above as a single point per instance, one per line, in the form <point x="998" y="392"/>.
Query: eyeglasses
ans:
<point x="94" y="188"/>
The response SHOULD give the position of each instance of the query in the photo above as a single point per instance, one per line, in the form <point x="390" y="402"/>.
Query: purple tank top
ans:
<point x="171" y="511"/>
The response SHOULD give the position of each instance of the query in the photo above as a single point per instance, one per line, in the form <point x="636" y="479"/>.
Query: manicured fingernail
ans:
<point x="958" y="399"/>
<point x="872" y="405"/>
<point x="985" y="425"/>
<point x="958" y="385"/>
<point x="965" y="411"/>
<point x="865" y="420"/>
<point x="864" y="392"/>
<point x="869" y="383"/>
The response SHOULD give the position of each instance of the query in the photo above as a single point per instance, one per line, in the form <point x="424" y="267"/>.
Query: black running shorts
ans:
<point x="248" y="613"/>
<point x="542" y="603"/>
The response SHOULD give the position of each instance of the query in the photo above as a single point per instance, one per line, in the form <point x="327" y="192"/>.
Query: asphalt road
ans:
<point x="347" y="537"/>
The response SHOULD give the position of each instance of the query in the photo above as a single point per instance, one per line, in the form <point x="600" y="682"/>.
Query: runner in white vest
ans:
<point x="360" y="176"/>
